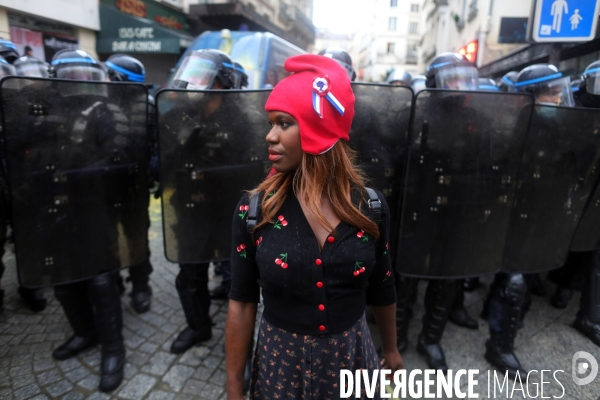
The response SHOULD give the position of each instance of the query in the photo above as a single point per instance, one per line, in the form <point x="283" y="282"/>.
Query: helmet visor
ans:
<point x="457" y="77"/>
<point x="6" y="69"/>
<point x="80" y="73"/>
<point x="556" y="92"/>
<point x="195" y="73"/>
<point x="593" y="81"/>
<point x="32" y="69"/>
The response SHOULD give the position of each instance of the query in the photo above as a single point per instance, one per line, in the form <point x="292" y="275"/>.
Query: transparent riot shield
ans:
<point x="77" y="175"/>
<point x="464" y="158"/>
<point x="379" y="134"/>
<point x="212" y="148"/>
<point x="560" y="169"/>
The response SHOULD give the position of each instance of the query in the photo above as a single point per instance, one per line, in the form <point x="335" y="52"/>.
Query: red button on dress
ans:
<point x="319" y="285"/>
<point x="318" y="261"/>
<point x="321" y="307"/>
<point x="330" y="239"/>
<point x="322" y="328"/>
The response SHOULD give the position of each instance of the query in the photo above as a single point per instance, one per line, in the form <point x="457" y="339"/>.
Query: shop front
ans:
<point x="155" y="34"/>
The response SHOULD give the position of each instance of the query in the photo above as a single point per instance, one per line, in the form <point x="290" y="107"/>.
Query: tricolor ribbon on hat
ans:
<point x="321" y="88"/>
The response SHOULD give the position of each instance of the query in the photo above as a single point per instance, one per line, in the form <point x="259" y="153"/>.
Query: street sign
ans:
<point x="565" y="20"/>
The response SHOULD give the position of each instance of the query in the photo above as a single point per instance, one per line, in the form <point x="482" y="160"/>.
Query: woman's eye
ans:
<point x="270" y="123"/>
<point x="285" y="125"/>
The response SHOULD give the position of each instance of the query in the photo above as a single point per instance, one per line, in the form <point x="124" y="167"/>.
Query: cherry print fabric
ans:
<point x="292" y="366"/>
<point x="306" y="290"/>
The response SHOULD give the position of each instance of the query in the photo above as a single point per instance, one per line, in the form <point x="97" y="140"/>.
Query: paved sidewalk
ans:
<point x="27" y="369"/>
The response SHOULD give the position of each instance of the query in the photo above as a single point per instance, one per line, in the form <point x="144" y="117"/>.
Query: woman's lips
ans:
<point x="274" y="157"/>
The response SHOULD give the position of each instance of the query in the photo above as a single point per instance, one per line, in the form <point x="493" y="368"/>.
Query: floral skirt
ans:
<point x="292" y="366"/>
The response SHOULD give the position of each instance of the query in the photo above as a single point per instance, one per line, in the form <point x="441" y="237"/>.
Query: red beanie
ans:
<point x="319" y="96"/>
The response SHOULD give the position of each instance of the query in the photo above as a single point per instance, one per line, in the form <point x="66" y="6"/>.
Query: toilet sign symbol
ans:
<point x="575" y="19"/>
<point x="551" y="20"/>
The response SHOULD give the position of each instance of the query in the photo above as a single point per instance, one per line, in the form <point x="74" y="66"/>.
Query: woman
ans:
<point x="316" y="252"/>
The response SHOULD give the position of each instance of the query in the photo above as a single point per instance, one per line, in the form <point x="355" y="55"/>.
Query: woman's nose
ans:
<point x="272" y="136"/>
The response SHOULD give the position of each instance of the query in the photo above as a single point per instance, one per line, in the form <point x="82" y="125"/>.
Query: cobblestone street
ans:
<point x="27" y="369"/>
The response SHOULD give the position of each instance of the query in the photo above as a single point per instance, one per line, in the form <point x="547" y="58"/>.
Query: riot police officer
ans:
<point x="399" y="77"/>
<point x="509" y="290"/>
<point x="508" y="82"/>
<point x="23" y="66"/>
<point x="582" y="268"/>
<point x="203" y="69"/>
<point x="92" y="306"/>
<point x="446" y="71"/>
<point x="487" y="84"/>
<point x="342" y="57"/>
<point x="124" y="68"/>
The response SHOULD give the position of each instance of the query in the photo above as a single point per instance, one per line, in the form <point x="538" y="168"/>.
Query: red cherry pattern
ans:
<point x="387" y="247"/>
<point x="243" y="211"/>
<point x="280" y="222"/>
<point x="358" y="268"/>
<point x="388" y="274"/>
<point x="362" y="235"/>
<point x="258" y="241"/>
<point x="242" y="250"/>
<point x="282" y="262"/>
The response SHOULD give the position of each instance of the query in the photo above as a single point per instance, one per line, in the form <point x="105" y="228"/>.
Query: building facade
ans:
<point x="47" y="26"/>
<point x="289" y="19"/>
<point x="388" y="40"/>
<point x="495" y="27"/>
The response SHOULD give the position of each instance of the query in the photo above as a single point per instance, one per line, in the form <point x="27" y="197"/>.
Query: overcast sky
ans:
<point x="339" y="16"/>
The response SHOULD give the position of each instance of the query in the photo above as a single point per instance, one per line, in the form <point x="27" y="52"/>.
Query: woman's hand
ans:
<point x="392" y="360"/>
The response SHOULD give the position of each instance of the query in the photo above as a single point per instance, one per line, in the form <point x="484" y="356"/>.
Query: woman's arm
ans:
<point x="386" y="322"/>
<point x="238" y="336"/>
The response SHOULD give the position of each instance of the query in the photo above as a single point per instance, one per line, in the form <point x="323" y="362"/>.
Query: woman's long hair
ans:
<point x="331" y="174"/>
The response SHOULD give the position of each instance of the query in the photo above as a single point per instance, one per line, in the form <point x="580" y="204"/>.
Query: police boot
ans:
<point x="588" y="317"/>
<point x="196" y="304"/>
<point x="536" y="286"/>
<point x="75" y="303"/>
<point x="405" y="286"/>
<point x="141" y="292"/>
<point x="500" y="347"/>
<point x="561" y="297"/>
<point x="109" y="320"/>
<point x="458" y="313"/>
<point x="438" y="299"/>
<point x="34" y="298"/>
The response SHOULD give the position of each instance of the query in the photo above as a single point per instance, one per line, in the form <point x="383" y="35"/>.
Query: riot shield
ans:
<point x="212" y="148"/>
<point x="379" y="134"/>
<point x="559" y="171"/>
<point x="464" y="158"/>
<point x="77" y="174"/>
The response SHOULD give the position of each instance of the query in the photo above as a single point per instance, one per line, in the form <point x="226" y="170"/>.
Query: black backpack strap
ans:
<point x="374" y="204"/>
<point x="252" y="218"/>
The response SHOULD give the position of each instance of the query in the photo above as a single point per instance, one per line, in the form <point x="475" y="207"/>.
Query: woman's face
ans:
<point x="285" y="149"/>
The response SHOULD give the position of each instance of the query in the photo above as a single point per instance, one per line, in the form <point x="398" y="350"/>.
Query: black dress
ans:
<point x="313" y="322"/>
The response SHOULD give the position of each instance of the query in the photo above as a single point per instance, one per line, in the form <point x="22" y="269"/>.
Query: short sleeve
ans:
<point x="382" y="289"/>
<point x="244" y="271"/>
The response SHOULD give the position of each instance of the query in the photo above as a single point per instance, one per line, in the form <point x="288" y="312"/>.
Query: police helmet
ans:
<point x="487" y="84"/>
<point x="418" y="83"/>
<point x="399" y="77"/>
<point x="591" y="76"/>
<point x="124" y="68"/>
<point x="200" y="69"/>
<point x="31" y="66"/>
<point x="547" y="85"/>
<point x="77" y="65"/>
<point x="241" y="78"/>
<point x="8" y="51"/>
<point x="508" y="81"/>
<point x="5" y="68"/>
<point x="452" y="71"/>
<point x="342" y="57"/>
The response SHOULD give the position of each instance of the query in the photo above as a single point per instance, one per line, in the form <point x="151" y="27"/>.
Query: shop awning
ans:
<point x="121" y="33"/>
